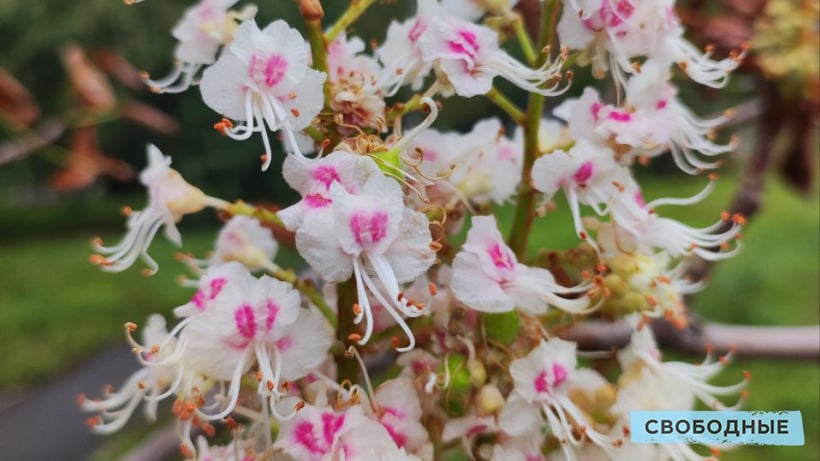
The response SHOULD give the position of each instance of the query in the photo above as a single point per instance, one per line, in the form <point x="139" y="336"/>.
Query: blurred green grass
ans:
<point x="57" y="308"/>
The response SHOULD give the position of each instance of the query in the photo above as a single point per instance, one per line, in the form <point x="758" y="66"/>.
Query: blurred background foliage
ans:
<point x="55" y="308"/>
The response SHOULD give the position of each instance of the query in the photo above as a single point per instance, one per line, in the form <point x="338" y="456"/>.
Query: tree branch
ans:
<point x="790" y="342"/>
<point x="45" y="134"/>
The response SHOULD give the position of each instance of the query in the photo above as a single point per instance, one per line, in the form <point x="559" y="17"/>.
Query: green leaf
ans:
<point x="502" y="327"/>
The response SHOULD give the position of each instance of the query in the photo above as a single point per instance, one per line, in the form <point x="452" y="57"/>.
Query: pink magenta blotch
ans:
<point x="273" y="69"/>
<point x="368" y="229"/>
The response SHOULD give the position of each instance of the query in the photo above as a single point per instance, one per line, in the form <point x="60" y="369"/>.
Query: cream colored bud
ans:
<point x="478" y="374"/>
<point x="490" y="400"/>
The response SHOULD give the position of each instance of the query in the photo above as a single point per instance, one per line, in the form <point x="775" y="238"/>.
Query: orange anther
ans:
<point x="223" y="126"/>
<point x="357" y="309"/>
<point x="354" y="337"/>
<point x="713" y="176"/>
<point x="130" y="326"/>
<point x="299" y="405"/>
<point x="432" y="288"/>
<point x="176" y="408"/>
<point x="739" y="219"/>
<point x="93" y="421"/>
<point x="395" y="342"/>
<point x="747" y="375"/>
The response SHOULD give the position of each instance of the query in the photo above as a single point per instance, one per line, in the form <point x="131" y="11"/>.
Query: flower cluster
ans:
<point x="476" y="362"/>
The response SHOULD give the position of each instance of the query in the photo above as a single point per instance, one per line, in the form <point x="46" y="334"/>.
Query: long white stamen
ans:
<point x="264" y="132"/>
<point x="119" y="398"/>
<point x="236" y="382"/>
<point x="120" y="417"/>
<point x="401" y="144"/>
<point x="246" y="130"/>
<point x="171" y="389"/>
<point x="364" y="303"/>
<point x="389" y="308"/>
<point x="683" y="201"/>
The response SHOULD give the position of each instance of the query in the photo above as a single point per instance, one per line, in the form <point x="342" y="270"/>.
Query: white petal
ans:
<point x="410" y="254"/>
<point x="303" y="345"/>
<point x="519" y="417"/>
<point x="472" y="286"/>
<point x="222" y="87"/>
<point x="316" y="244"/>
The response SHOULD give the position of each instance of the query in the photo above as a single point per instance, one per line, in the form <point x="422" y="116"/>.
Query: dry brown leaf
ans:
<point x="149" y="117"/>
<point x="85" y="163"/>
<point x="91" y="85"/>
<point x="16" y="104"/>
<point x="728" y="32"/>
<point x="119" y="68"/>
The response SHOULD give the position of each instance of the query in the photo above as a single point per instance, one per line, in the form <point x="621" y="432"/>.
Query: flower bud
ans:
<point x="478" y="374"/>
<point x="489" y="400"/>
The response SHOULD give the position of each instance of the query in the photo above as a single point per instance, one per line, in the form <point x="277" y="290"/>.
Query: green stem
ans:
<point x="356" y="9"/>
<point x="318" y="49"/>
<point x="523" y="217"/>
<point x="524" y="40"/>
<point x="506" y="105"/>
<point x="571" y="59"/>
<point x="346" y="368"/>
<point x="262" y="214"/>
<point x="401" y="108"/>
<point x="314" y="133"/>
